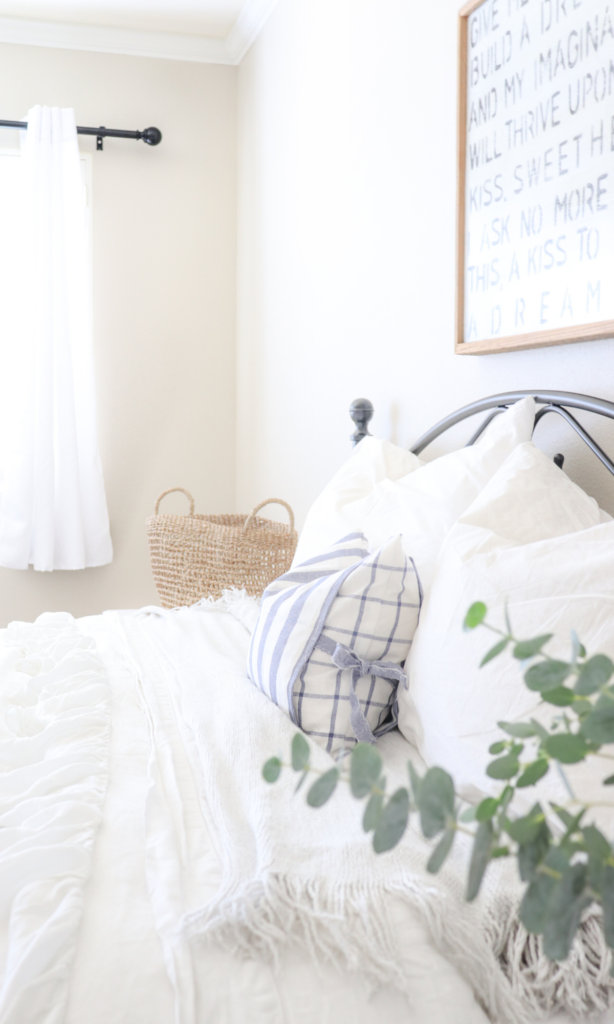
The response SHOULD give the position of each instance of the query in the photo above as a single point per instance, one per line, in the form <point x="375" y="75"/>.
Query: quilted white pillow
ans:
<point x="532" y="539"/>
<point x="332" y="636"/>
<point x="382" y="491"/>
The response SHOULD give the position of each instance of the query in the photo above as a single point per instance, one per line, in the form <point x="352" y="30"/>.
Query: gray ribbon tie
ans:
<point x="344" y="658"/>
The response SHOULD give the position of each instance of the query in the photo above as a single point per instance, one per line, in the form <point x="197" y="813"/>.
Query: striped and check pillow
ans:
<point x="331" y="639"/>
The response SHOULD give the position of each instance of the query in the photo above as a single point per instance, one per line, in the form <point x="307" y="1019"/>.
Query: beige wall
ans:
<point x="164" y="298"/>
<point x="347" y="177"/>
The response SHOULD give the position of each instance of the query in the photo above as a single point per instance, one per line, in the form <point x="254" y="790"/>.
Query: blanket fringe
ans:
<point x="582" y="985"/>
<point x="352" y="929"/>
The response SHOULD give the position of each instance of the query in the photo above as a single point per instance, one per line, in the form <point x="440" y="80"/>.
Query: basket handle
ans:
<point x="170" y="491"/>
<point x="270" y="501"/>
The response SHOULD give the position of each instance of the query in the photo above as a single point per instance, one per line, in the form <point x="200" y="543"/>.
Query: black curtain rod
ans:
<point x="152" y="136"/>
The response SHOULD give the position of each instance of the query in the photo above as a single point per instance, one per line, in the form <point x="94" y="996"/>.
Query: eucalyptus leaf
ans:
<point x="487" y="809"/>
<point x="416" y="782"/>
<point x="441" y="851"/>
<point x="373" y="812"/>
<point x="480" y="857"/>
<point x="539" y="729"/>
<point x="594" y="674"/>
<point x="540" y="896"/>
<point x="300" y="752"/>
<point x="546" y="675"/>
<point x="392" y="823"/>
<point x="497" y="748"/>
<point x="531" y="854"/>
<point x="526" y="828"/>
<point x="598" y="726"/>
<point x="570" y="821"/>
<point x="475" y="616"/>
<point x="520" y="730"/>
<point x="468" y="815"/>
<point x="609" y="781"/>
<point x="436" y="802"/>
<point x="569" y="901"/>
<point x="596" y="843"/>
<point x="529" y="648"/>
<point x="503" y="767"/>
<point x="272" y="770"/>
<point x="500" y="851"/>
<point x="365" y="769"/>
<point x="533" y="773"/>
<point x="323" y="788"/>
<point x="494" y="652"/>
<point x="567" y="748"/>
<point x="561" y="697"/>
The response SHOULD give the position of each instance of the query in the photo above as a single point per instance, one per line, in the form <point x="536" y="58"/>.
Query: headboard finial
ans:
<point x="361" y="411"/>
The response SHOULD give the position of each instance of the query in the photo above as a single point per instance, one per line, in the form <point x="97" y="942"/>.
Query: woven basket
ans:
<point x="198" y="556"/>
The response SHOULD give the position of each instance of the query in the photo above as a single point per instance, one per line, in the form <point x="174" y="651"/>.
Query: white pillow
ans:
<point x="333" y="513"/>
<point x="331" y="638"/>
<point x="372" y="494"/>
<point x="532" y="539"/>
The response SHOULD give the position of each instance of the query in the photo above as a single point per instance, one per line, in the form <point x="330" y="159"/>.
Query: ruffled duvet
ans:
<point x="54" y="739"/>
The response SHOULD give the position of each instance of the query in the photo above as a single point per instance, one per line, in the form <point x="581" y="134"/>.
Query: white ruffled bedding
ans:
<point x="89" y="920"/>
<point x="54" y="737"/>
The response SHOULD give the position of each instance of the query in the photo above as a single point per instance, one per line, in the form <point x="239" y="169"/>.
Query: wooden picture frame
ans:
<point x="551" y="72"/>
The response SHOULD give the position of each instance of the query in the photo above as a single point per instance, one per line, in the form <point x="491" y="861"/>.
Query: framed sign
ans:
<point x="536" y="174"/>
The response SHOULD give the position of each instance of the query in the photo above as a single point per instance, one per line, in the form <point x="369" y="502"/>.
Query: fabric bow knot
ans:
<point x="344" y="658"/>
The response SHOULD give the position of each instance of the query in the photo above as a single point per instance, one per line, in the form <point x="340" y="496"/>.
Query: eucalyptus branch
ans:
<point x="563" y="873"/>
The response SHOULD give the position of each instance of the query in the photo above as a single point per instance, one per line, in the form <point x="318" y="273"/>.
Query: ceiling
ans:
<point x="214" y="31"/>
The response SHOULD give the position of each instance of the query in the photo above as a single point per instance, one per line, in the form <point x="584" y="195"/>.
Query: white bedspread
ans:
<point x="156" y="859"/>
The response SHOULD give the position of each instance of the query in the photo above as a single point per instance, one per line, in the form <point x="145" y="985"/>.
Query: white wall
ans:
<point x="164" y="230"/>
<point x="347" y="178"/>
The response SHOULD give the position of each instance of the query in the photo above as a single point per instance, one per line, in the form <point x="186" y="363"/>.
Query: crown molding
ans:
<point x="247" y="27"/>
<point x="137" y="43"/>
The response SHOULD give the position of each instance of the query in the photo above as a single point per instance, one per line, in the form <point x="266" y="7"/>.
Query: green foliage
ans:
<point x="323" y="788"/>
<point x="300" y="752"/>
<point x="475" y="616"/>
<point x="564" y="869"/>
<point x="392" y="822"/>
<point x="272" y="770"/>
<point x="365" y="769"/>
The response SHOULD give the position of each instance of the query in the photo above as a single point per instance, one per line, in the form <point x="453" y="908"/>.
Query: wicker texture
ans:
<point x="198" y="556"/>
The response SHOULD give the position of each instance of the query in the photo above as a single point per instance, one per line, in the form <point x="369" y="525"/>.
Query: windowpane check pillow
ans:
<point x="332" y="637"/>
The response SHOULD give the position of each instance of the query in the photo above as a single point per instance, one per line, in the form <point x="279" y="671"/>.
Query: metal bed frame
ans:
<point x="559" y="402"/>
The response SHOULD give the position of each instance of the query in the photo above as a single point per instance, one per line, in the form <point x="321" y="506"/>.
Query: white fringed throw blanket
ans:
<point x="309" y="877"/>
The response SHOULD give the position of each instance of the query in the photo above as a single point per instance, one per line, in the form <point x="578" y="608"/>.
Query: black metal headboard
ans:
<point x="558" y="402"/>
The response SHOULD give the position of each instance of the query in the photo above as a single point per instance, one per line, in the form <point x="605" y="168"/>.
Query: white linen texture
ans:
<point x="332" y="636"/>
<point x="53" y="511"/>
<point x="382" y="491"/>
<point x="54" y="737"/>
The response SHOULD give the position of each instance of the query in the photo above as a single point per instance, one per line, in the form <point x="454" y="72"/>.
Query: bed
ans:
<point x="148" y="874"/>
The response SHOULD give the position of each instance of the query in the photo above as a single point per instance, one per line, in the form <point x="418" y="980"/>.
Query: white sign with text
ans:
<point x="539" y="195"/>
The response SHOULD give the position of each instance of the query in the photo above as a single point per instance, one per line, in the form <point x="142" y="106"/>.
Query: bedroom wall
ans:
<point x="347" y="177"/>
<point x="164" y="265"/>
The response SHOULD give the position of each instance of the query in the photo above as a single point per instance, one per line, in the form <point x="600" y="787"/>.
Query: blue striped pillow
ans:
<point x="332" y="637"/>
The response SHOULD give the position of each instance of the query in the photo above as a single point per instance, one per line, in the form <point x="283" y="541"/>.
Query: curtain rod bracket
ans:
<point x="99" y="140"/>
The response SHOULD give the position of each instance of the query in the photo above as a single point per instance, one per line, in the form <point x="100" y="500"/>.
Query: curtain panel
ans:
<point x="53" y="511"/>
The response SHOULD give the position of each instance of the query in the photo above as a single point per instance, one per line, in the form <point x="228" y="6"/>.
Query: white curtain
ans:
<point x="53" y="511"/>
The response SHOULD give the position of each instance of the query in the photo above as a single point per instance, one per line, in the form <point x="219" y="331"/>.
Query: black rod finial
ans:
<point x="152" y="136"/>
<point x="559" y="460"/>
<point x="361" y="411"/>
